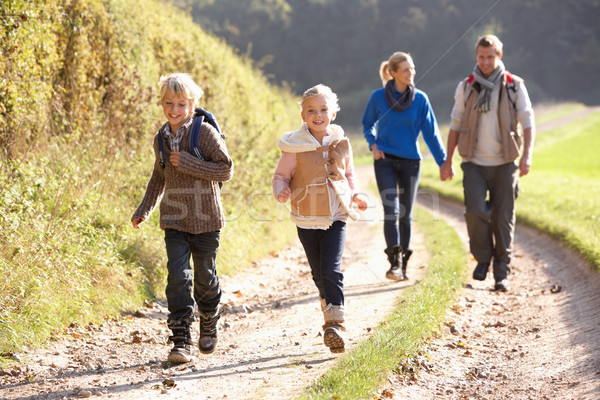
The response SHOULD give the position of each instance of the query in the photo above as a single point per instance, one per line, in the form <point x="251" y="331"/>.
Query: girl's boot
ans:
<point x="334" y="328"/>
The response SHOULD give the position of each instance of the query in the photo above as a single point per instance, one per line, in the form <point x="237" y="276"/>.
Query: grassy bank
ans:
<point x="397" y="341"/>
<point x="78" y="110"/>
<point x="561" y="194"/>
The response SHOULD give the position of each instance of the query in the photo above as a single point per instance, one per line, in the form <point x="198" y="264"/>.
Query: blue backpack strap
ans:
<point x="161" y="149"/>
<point x="194" y="137"/>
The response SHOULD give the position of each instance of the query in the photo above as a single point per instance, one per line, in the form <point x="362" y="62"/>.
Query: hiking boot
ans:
<point x="182" y="343"/>
<point x="481" y="271"/>
<point x="334" y="327"/>
<point x="208" y="333"/>
<point x="502" y="286"/>
<point x="333" y="336"/>
<point x="405" y="256"/>
<point x="394" y="255"/>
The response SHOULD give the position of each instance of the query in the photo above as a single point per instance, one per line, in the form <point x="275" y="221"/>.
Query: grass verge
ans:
<point x="398" y="340"/>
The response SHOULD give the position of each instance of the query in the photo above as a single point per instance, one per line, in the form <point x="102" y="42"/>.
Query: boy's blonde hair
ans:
<point x="392" y="64"/>
<point x="322" y="90"/>
<point x="180" y="84"/>
<point x="489" y="41"/>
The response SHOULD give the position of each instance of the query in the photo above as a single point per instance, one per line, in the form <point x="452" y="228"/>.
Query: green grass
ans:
<point x="561" y="194"/>
<point x="398" y="341"/>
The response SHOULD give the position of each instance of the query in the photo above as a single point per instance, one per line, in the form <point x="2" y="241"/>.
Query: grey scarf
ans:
<point x="486" y="85"/>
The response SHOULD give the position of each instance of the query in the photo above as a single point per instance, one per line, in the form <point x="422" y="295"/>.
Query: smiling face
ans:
<point x="487" y="59"/>
<point x="404" y="75"/>
<point x="177" y="109"/>
<point x="317" y="114"/>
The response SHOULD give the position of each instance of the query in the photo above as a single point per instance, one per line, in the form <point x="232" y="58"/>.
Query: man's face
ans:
<point x="487" y="60"/>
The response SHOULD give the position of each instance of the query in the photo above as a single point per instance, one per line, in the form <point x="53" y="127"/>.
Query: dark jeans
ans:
<point x="491" y="220"/>
<point x="324" y="249"/>
<point x="397" y="181"/>
<point x="203" y="281"/>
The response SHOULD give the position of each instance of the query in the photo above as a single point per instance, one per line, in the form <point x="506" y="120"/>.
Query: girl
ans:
<point x="316" y="173"/>
<point x="393" y="119"/>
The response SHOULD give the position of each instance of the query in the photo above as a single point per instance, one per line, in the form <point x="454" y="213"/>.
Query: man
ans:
<point x="488" y="105"/>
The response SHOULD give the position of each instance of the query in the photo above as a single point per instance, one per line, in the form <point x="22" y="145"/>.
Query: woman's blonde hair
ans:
<point x="322" y="90"/>
<point x="392" y="64"/>
<point x="180" y="84"/>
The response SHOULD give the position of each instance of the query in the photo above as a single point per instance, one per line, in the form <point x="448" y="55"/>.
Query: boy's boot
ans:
<point x="405" y="256"/>
<point x="394" y="254"/>
<point x="208" y="332"/>
<point x="182" y="342"/>
<point x="334" y="328"/>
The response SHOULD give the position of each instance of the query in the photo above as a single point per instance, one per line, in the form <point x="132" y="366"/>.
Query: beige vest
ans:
<point x="310" y="200"/>
<point x="507" y="118"/>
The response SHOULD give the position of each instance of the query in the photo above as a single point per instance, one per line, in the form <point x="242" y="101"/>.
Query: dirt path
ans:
<point x="270" y="335"/>
<point x="539" y="341"/>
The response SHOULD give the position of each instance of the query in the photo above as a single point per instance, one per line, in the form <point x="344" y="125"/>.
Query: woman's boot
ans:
<point x="394" y="253"/>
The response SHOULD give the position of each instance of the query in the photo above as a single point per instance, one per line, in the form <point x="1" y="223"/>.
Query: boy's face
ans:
<point x="316" y="114"/>
<point x="177" y="109"/>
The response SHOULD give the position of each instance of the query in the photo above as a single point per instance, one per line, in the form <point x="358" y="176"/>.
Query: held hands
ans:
<point x="377" y="154"/>
<point x="446" y="170"/>
<point x="360" y="202"/>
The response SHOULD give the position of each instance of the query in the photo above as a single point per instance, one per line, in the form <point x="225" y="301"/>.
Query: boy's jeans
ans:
<point x="397" y="181"/>
<point x="324" y="249"/>
<point x="182" y="280"/>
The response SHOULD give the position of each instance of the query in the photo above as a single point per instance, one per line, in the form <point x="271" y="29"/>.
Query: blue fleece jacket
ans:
<point x="397" y="132"/>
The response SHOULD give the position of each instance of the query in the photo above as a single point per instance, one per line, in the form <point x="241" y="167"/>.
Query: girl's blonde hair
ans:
<point x="322" y="90"/>
<point x="392" y="64"/>
<point x="180" y="84"/>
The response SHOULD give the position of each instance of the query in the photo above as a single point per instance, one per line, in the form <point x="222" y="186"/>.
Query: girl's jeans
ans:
<point x="324" y="248"/>
<point x="182" y="281"/>
<point x="397" y="181"/>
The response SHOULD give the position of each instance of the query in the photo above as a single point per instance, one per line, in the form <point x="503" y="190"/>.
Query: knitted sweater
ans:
<point x="189" y="195"/>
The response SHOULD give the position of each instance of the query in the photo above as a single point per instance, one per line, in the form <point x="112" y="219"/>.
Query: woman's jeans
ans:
<point x="397" y="181"/>
<point x="324" y="249"/>
<point x="182" y="281"/>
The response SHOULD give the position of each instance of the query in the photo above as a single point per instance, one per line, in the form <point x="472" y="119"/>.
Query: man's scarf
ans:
<point x="486" y="86"/>
<point x="406" y="98"/>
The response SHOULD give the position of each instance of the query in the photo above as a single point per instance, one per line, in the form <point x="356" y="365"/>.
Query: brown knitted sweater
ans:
<point x="189" y="195"/>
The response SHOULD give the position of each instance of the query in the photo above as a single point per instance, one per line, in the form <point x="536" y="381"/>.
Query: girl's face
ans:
<point x="316" y="114"/>
<point x="177" y="109"/>
<point x="404" y="75"/>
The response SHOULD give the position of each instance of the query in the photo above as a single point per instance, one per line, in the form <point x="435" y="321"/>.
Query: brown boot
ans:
<point x="334" y="327"/>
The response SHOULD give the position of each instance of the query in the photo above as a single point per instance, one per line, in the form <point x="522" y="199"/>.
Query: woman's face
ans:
<point x="404" y="75"/>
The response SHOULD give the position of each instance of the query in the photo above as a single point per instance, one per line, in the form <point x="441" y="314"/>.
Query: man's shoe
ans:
<point x="182" y="343"/>
<point x="481" y="271"/>
<point x="208" y="333"/>
<point x="501" y="286"/>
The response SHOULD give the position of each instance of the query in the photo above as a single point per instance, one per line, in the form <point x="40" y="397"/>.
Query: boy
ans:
<point x="191" y="215"/>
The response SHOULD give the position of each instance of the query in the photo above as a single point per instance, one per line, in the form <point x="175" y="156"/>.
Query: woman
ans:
<point x="393" y="119"/>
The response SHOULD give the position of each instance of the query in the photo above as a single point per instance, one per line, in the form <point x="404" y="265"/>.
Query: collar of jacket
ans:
<point x="301" y="140"/>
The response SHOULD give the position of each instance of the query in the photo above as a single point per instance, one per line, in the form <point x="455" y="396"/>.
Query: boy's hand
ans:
<point x="175" y="157"/>
<point x="284" y="195"/>
<point x="136" y="222"/>
<point x="360" y="202"/>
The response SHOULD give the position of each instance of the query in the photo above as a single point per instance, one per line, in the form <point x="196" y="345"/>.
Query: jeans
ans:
<point x="203" y="281"/>
<point x="397" y="181"/>
<point x="491" y="220"/>
<point x="324" y="249"/>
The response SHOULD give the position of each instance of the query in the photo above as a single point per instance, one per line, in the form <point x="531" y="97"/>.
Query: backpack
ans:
<point x="510" y="85"/>
<point x="199" y="116"/>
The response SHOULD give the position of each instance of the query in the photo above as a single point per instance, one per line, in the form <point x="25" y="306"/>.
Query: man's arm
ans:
<point x="446" y="170"/>
<point x="528" y="140"/>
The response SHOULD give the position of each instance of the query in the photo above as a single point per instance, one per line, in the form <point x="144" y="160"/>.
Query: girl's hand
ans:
<point x="136" y="222"/>
<point x="361" y="203"/>
<point x="175" y="157"/>
<point x="284" y="195"/>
